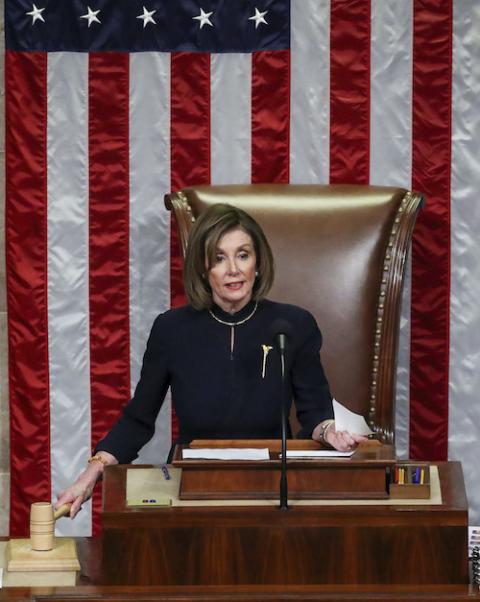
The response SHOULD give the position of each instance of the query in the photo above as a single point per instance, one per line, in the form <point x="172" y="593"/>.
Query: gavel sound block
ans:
<point x="43" y="552"/>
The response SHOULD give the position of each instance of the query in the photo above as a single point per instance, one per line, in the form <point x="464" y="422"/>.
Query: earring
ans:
<point x="256" y="274"/>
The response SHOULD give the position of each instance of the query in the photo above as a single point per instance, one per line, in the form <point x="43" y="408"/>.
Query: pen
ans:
<point x="166" y="474"/>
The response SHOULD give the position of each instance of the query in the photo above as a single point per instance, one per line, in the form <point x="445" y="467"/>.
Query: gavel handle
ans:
<point x="62" y="511"/>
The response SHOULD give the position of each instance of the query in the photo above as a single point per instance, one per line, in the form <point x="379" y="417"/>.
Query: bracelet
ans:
<point x="98" y="458"/>
<point x="324" y="429"/>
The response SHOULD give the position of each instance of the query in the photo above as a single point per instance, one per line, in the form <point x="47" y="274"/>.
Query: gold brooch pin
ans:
<point x="266" y="350"/>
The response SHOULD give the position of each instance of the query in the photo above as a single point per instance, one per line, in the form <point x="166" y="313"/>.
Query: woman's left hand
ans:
<point x="343" y="440"/>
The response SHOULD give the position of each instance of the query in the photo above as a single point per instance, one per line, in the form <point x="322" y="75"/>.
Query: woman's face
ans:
<point x="232" y="276"/>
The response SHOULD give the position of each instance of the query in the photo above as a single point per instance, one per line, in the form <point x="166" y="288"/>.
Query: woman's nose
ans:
<point x="232" y="265"/>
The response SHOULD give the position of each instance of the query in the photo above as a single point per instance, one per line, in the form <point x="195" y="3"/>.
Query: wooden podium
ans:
<point x="365" y="475"/>
<point x="324" y="543"/>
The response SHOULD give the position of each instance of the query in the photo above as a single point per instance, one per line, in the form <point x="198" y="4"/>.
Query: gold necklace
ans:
<point x="233" y="324"/>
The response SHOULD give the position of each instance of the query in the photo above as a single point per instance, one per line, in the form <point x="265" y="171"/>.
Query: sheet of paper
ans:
<point x="346" y="420"/>
<point x="321" y="453"/>
<point x="227" y="453"/>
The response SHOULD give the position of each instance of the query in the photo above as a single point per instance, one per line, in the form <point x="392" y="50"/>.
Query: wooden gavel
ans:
<point x="42" y="524"/>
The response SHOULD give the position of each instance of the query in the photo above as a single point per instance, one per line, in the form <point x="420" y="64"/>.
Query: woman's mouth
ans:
<point x="234" y="286"/>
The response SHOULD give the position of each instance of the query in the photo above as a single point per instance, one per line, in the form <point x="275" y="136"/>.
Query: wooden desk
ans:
<point x="308" y="545"/>
<point x="399" y="546"/>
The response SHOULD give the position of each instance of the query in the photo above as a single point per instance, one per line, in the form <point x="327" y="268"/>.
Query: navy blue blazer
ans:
<point x="218" y="393"/>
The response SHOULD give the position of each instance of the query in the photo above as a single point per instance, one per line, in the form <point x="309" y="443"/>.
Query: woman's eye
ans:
<point x="243" y="255"/>
<point x="219" y="258"/>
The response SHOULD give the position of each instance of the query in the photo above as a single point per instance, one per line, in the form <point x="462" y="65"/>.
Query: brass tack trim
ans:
<point x="380" y="310"/>
<point x="185" y="205"/>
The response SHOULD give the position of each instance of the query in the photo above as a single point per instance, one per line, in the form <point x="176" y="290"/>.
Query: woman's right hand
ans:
<point x="82" y="489"/>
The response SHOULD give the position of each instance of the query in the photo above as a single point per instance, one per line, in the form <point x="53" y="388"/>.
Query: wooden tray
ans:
<point x="410" y="489"/>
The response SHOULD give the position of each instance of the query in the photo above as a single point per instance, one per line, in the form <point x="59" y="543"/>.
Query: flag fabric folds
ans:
<point x="111" y="104"/>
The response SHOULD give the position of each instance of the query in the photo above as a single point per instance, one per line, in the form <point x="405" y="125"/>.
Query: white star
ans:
<point x="36" y="13"/>
<point x="204" y="19"/>
<point x="91" y="16"/>
<point x="147" y="17"/>
<point x="258" y="17"/>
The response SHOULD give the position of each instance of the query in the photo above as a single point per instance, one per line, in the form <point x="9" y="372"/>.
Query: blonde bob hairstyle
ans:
<point x="202" y="247"/>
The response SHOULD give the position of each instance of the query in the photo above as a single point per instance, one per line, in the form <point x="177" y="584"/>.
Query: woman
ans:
<point x="217" y="355"/>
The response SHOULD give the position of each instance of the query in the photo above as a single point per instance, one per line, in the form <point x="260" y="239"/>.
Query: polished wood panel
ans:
<point x="202" y="482"/>
<point x="340" y="545"/>
<point x="88" y="590"/>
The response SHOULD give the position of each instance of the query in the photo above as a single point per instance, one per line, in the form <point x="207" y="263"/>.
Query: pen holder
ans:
<point x="410" y="481"/>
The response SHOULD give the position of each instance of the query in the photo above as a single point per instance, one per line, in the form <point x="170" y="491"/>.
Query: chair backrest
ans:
<point x="340" y="252"/>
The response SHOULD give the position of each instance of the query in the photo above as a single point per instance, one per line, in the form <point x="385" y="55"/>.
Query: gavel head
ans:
<point x="42" y="526"/>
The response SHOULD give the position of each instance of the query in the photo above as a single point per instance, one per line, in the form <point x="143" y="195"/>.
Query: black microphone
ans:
<point x="281" y="332"/>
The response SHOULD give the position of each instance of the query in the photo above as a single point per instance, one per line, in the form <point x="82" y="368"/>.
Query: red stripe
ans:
<point x="432" y="73"/>
<point x="109" y="241"/>
<point x="271" y="116"/>
<point x="350" y="91"/>
<point x="26" y="260"/>
<point x="190" y="146"/>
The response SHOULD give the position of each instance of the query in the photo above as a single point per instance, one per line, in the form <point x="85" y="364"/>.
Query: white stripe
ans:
<point x="149" y="220"/>
<point x="464" y="407"/>
<point x="390" y="150"/>
<point x="402" y="391"/>
<point x="310" y="92"/>
<point x="231" y="142"/>
<point x="68" y="307"/>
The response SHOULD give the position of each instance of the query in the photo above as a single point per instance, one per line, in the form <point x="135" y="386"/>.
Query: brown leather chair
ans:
<point x="340" y="252"/>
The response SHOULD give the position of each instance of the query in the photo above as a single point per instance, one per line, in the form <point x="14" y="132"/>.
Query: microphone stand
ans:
<point x="283" y="467"/>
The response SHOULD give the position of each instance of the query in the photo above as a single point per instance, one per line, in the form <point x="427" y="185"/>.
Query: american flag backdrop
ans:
<point x="112" y="103"/>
